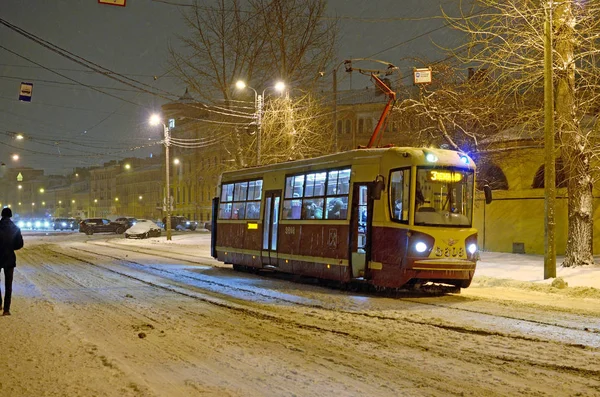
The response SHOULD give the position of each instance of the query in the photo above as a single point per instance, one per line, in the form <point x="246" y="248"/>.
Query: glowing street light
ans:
<point x="156" y="120"/>
<point x="258" y="103"/>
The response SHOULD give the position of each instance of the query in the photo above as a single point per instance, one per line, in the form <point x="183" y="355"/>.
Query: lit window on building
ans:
<point x="171" y="123"/>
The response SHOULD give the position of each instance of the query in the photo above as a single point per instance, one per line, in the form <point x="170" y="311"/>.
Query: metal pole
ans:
<point x="167" y="193"/>
<point x="259" y="106"/>
<point x="335" y="131"/>
<point x="549" y="167"/>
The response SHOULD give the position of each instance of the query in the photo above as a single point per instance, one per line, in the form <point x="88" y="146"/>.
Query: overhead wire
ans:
<point x="132" y="82"/>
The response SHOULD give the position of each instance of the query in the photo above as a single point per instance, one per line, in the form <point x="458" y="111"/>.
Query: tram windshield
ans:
<point x="444" y="196"/>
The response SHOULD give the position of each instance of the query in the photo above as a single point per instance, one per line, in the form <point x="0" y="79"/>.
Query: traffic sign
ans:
<point x="422" y="75"/>
<point x="25" y="92"/>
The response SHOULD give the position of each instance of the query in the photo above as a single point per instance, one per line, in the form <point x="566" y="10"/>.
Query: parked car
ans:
<point x="180" y="223"/>
<point x="143" y="228"/>
<point x="64" y="224"/>
<point x="100" y="225"/>
<point x="127" y="221"/>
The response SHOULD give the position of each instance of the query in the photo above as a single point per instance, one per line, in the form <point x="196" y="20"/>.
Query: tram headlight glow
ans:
<point x="472" y="248"/>
<point x="432" y="158"/>
<point x="420" y="246"/>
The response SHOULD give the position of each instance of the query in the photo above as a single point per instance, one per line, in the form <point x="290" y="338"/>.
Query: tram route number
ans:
<point x="449" y="252"/>
<point x="290" y="230"/>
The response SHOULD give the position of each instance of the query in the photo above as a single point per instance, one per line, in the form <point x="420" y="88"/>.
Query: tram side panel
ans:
<point x="314" y="250"/>
<point x="244" y="240"/>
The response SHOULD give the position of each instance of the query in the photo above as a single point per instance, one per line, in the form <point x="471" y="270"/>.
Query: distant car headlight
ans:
<point x="20" y="223"/>
<point x="187" y="222"/>
<point x="420" y="246"/>
<point x="28" y="224"/>
<point x="472" y="248"/>
<point x="64" y="224"/>
<point x="46" y="224"/>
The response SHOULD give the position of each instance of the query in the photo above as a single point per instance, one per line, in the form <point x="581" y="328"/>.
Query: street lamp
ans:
<point x="258" y="103"/>
<point x="156" y="120"/>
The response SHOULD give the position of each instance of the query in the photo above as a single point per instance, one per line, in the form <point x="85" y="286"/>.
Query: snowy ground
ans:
<point x="529" y="268"/>
<point x="105" y="316"/>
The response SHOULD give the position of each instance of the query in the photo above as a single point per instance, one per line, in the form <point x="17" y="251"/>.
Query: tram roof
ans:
<point x="416" y="154"/>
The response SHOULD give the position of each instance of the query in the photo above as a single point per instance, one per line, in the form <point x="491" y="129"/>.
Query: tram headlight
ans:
<point x="472" y="248"/>
<point x="430" y="157"/>
<point x="420" y="247"/>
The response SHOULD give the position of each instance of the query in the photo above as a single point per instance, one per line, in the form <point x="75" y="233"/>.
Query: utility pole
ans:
<point x="549" y="167"/>
<point x="335" y="129"/>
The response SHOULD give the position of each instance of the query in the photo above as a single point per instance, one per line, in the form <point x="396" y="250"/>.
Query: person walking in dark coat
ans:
<point x="10" y="241"/>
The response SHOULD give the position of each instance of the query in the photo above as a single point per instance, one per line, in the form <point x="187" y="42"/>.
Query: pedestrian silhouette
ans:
<point x="10" y="241"/>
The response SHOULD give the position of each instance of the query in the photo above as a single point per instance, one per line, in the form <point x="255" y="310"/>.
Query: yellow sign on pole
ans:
<point x="113" y="2"/>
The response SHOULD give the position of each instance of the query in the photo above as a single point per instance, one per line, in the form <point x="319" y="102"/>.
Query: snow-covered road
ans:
<point x="111" y="317"/>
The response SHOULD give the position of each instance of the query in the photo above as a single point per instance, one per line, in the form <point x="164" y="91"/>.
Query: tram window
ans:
<point x="338" y="182"/>
<point x="253" y="210"/>
<point x="312" y="209"/>
<point x="255" y="190"/>
<point x="292" y="209"/>
<point x="317" y="195"/>
<point x="315" y="184"/>
<point x="448" y="196"/>
<point x="241" y="191"/>
<point x="399" y="194"/>
<point x="238" y="211"/>
<point x="241" y="200"/>
<point x="227" y="192"/>
<point x="337" y="208"/>
<point x="294" y="186"/>
<point x="225" y="210"/>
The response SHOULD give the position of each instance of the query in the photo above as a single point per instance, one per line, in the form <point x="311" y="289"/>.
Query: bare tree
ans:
<point x="506" y="44"/>
<point x="296" y="127"/>
<point x="258" y="41"/>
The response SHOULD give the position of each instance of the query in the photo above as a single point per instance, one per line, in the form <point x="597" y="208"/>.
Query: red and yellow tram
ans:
<point x="392" y="217"/>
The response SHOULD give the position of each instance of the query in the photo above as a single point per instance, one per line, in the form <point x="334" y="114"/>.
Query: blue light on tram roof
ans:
<point x="464" y="159"/>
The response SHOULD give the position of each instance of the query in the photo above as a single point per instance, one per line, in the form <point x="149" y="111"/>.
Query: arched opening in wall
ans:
<point x="493" y="176"/>
<point x="560" y="177"/>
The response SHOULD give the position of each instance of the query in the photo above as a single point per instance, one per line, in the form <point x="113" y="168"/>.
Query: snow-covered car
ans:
<point x="143" y="228"/>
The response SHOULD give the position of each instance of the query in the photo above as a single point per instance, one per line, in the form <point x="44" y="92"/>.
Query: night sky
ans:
<point x="69" y="124"/>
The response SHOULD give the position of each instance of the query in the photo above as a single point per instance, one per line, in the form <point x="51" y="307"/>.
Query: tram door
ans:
<point x="360" y="234"/>
<point x="270" y="227"/>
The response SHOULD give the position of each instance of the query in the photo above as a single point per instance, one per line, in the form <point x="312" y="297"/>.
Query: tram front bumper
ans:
<point x="447" y="265"/>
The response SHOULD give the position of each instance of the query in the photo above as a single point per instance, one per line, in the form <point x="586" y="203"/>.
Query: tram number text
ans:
<point x="290" y="230"/>
<point x="449" y="252"/>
